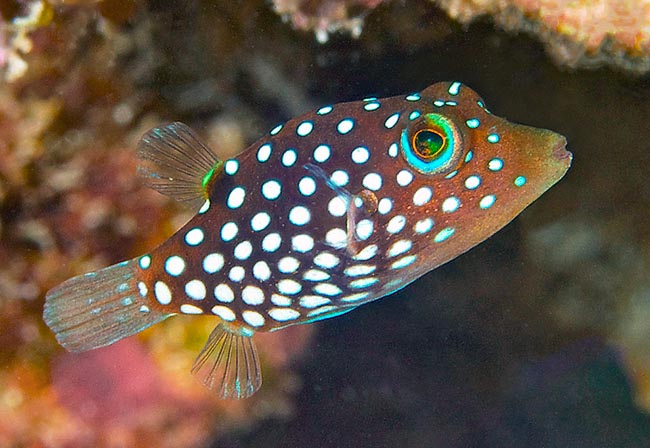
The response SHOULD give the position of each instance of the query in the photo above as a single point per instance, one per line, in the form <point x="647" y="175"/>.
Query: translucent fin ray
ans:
<point x="97" y="309"/>
<point x="228" y="364"/>
<point x="174" y="162"/>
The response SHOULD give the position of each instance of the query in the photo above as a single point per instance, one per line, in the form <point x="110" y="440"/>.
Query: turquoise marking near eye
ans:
<point x="495" y="164"/>
<point x="413" y="97"/>
<point x="324" y="110"/>
<point x="415" y="114"/>
<point x="473" y="123"/>
<point x="493" y="138"/>
<point x="452" y="174"/>
<point x="444" y="234"/>
<point x="454" y="88"/>
<point x="487" y="201"/>
<point x="520" y="181"/>
<point x="430" y="150"/>
<point x="276" y="129"/>
<point x="438" y="103"/>
<point x="469" y="156"/>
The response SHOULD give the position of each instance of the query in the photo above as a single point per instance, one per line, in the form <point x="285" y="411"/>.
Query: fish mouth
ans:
<point x="559" y="150"/>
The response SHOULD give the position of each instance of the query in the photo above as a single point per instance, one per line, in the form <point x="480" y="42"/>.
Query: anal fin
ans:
<point x="174" y="162"/>
<point x="228" y="364"/>
<point x="97" y="309"/>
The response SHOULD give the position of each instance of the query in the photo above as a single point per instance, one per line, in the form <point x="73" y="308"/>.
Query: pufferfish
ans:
<point x="329" y="211"/>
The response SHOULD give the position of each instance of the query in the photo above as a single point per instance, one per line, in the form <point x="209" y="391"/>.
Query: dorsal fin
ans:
<point x="174" y="162"/>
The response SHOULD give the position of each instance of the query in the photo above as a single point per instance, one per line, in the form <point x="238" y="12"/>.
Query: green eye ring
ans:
<point x="432" y="145"/>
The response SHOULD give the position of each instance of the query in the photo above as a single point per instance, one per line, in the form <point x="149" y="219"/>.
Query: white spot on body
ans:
<point x="399" y="247"/>
<point x="393" y="150"/>
<point x="403" y="262"/>
<point x="289" y="287"/>
<point x="345" y="126"/>
<point x="194" y="237"/>
<point x="174" y="265"/>
<point x="195" y="289"/>
<point x="372" y="181"/>
<point x="280" y="300"/>
<point x="307" y="186"/>
<point x="190" y="309"/>
<point x="142" y="287"/>
<point x="261" y="271"/>
<point x="224" y="293"/>
<point x="359" y="270"/>
<point x="213" y="263"/>
<point x="253" y="318"/>
<point x="271" y="242"/>
<point x="363" y="282"/>
<point x="205" y="207"/>
<point x="385" y="206"/>
<point x="451" y="204"/>
<point x="162" y="293"/>
<point x="302" y="243"/>
<point x="487" y="201"/>
<point x="223" y="312"/>
<point x="423" y="226"/>
<point x="340" y="178"/>
<point x="355" y="297"/>
<point x="337" y="206"/>
<point x="495" y="165"/>
<point x="326" y="260"/>
<point x="283" y="314"/>
<point x="322" y="153"/>
<point x="231" y="167"/>
<point x="391" y="121"/>
<point x="472" y="182"/>
<point x="337" y="238"/>
<point x="327" y="289"/>
<point x="304" y="128"/>
<point x="260" y="221"/>
<point x="396" y="224"/>
<point x="145" y="261"/>
<point x="263" y="153"/>
<point x="366" y="253"/>
<point x="324" y="110"/>
<point x="360" y="155"/>
<point x="404" y="178"/>
<point x="271" y="189"/>
<point x="299" y="215"/>
<point x="236" y="197"/>
<point x="237" y="273"/>
<point x="422" y="196"/>
<point x="252" y="295"/>
<point x="315" y="275"/>
<point x="364" y="229"/>
<point x="312" y="301"/>
<point x="229" y="231"/>
<point x="243" y="250"/>
<point x="288" y="265"/>
<point x="289" y="157"/>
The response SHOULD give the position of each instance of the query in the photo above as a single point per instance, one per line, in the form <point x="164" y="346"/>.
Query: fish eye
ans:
<point x="428" y="143"/>
<point x="432" y="144"/>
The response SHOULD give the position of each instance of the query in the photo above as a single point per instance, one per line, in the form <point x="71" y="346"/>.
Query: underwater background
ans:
<point x="538" y="337"/>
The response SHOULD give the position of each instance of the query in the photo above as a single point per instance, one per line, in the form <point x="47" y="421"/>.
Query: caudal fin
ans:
<point x="99" y="308"/>
<point x="228" y="364"/>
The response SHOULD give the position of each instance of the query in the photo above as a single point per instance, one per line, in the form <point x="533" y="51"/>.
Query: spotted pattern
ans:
<point x="328" y="212"/>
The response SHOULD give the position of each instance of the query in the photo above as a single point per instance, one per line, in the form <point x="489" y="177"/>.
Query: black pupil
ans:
<point x="428" y="143"/>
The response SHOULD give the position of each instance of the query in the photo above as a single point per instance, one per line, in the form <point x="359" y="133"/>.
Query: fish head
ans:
<point x="480" y="170"/>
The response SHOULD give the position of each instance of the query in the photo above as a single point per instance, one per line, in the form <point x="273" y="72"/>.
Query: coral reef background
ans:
<point x="538" y="337"/>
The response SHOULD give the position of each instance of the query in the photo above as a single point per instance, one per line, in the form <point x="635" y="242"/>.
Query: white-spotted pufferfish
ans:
<point x="329" y="211"/>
